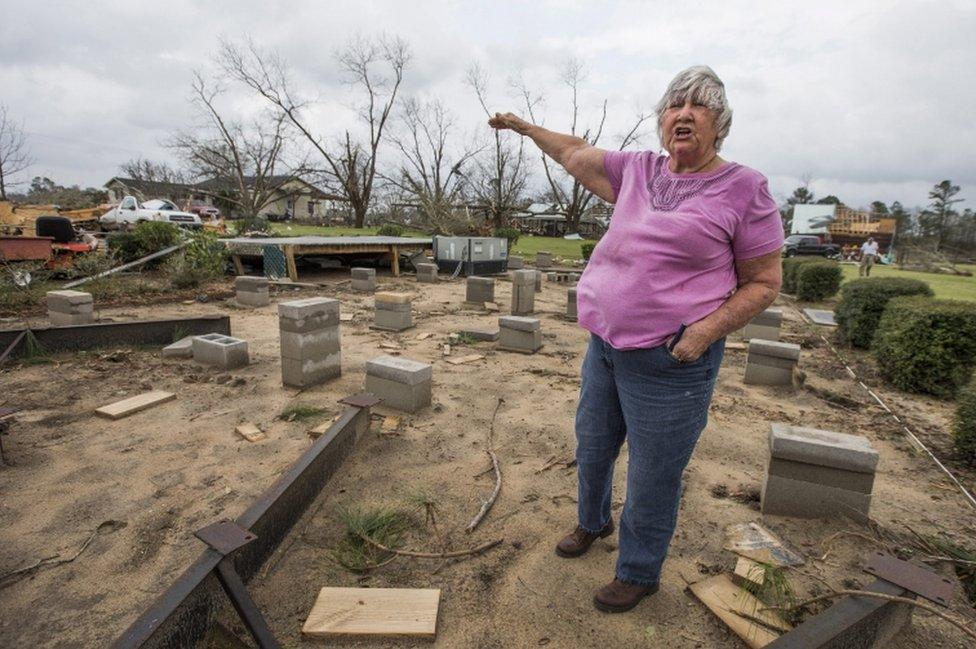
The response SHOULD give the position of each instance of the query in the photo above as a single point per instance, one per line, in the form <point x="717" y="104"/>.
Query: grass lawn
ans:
<point x="527" y="246"/>
<point x="951" y="287"/>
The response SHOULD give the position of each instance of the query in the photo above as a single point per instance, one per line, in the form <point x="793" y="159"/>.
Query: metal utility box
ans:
<point x="476" y="255"/>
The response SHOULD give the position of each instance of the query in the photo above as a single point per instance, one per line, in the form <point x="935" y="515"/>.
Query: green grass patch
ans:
<point x="528" y="246"/>
<point x="301" y="412"/>
<point x="385" y="526"/>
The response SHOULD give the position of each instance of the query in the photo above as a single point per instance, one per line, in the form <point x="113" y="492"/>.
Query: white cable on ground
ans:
<point x="911" y="436"/>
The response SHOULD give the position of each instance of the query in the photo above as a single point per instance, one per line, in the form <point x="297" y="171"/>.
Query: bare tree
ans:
<point x="145" y="169"/>
<point x="430" y="175"/>
<point x="499" y="178"/>
<point x="374" y="65"/>
<point x="570" y="196"/>
<point x="13" y="151"/>
<point x="244" y="161"/>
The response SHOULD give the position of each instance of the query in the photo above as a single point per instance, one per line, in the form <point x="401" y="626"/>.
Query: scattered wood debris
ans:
<point x="135" y="404"/>
<point x="755" y="542"/>
<point x="745" y="615"/>
<point x="251" y="432"/>
<point x="465" y="359"/>
<point x="374" y="611"/>
<point x="319" y="430"/>
<point x="425" y="335"/>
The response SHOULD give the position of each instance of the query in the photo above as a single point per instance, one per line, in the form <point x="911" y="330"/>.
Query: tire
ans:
<point x="791" y="252"/>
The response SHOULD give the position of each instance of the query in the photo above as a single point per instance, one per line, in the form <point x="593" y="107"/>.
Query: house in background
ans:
<point x="547" y="220"/>
<point x="841" y="224"/>
<point x="289" y="196"/>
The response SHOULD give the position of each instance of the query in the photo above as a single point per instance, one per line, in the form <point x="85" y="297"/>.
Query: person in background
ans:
<point x="869" y="250"/>
<point x="692" y="254"/>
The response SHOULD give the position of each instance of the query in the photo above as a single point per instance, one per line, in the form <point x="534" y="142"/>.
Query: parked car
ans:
<point x="205" y="212"/>
<point x="128" y="213"/>
<point x="804" y="244"/>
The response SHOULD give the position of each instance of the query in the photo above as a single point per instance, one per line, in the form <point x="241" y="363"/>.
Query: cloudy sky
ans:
<point x="871" y="100"/>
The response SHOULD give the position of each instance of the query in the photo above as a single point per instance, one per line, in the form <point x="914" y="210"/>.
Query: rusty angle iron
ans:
<point x="224" y="536"/>
<point x="924" y="583"/>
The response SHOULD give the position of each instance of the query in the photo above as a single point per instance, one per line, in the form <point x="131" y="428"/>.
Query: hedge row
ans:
<point x="964" y="426"/>
<point x="791" y="265"/>
<point x="926" y="345"/>
<point x="818" y="281"/>
<point x="862" y="302"/>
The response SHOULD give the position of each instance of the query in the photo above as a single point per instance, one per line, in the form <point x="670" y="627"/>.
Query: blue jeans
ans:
<point x="660" y="406"/>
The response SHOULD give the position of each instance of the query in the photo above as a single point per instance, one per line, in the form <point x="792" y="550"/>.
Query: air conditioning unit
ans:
<point x="471" y="255"/>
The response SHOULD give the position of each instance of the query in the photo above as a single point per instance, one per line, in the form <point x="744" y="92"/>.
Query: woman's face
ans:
<point x="689" y="131"/>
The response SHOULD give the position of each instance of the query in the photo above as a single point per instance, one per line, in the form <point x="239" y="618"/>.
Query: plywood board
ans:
<point x="727" y="601"/>
<point x="374" y="611"/>
<point x="749" y="570"/>
<point x="132" y="405"/>
<point x="755" y="542"/>
<point x="250" y="432"/>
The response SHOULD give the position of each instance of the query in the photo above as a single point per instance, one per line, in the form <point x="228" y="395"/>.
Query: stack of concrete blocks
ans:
<point x="392" y="311"/>
<point x="220" y="351"/>
<point x="70" y="308"/>
<point x="770" y="362"/>
<point x="538" y="281"/>
<point x="543" y="259"/>
<point x="523" y="292"/>
<point x="309" y="330"/>
<point x="817" y="473"/>
<point x="252" y="291"/>
<point x="401" y="383"/>
<point x="764" y="326"/>
<point x="571" y="304"/>
<point x="480" y="290"/>
<point x="427" y="273"/>
<point x="515" y="262"/>
<point x="518" y="334"/>
<point x="364" y="279"/>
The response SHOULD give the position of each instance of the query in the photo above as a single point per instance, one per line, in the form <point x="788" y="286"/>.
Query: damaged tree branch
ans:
<point x="498" y="472"/>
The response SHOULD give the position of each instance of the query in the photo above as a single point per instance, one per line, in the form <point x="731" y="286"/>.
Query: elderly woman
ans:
<point x="692" y="253"/>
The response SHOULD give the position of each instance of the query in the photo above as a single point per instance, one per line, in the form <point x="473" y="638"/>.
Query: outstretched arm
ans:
<point x="579" y="158"/>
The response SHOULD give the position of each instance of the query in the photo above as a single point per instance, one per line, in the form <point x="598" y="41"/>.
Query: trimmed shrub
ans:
<point x="146" y="238"/>
<point x="257" y="224"/>
<point x="964" y="424"/>
<point x="587" y="249"/>
<point x="123" y="246"/>
<point x="390" y="230"/>
<point x="791" y="265"/>
<point x="818" y="281"/>
<point x="863" y="300"/>
<point x="204" y="258"/>
<point x="512" y="234"/>
<point x="926" y="345"/>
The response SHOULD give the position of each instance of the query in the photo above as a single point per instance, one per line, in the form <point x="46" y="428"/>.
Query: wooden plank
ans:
<point x="238" y="266"/>
<point x="465" y="359"/>
<point x="374" y="611"/>
<point x="748" y="570"/>
<point x="250" y="432"/>
<point x="132" y="405"/>
<point x="290" y="263"/>
<point x="727" y="601"/>
<point x="395" y="261"/>
<point x="755" y="542"/>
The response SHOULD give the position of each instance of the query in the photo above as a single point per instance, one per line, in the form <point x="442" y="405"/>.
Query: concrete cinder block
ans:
<point x="364" y="279"/>
<point x="514" y="340"/>
<point x="774" y="349"/>
<point x="519" y="323"/>
<point x="399" y="369"/>
<point x="312" y="344"/>
<point x="311" y="314"/>
<point x="764" y="326"/>
<point x="400" y="396"/>
<point x="525" y="277"/>
<point x="538" y="281"/>
<point x="765" y="375"/>
<point x="402" y="383"/>
<point x="786" y="497"/>
<point x="182" y="348"/>
<point x="822" y="475"/>
<point x="770" y="362"/>
<point x="515" y="262"/>
<point x="390" y="297"/>
<point x="571" y="304"/>
<point x="543" y="259"/>
<point x="523" y="292"/>
<point x="479" y="290"/>
<point x="302" y="373"/>
<point x="426" y="273"/>
<point x="67" y="301"/>
<point x="391" y="320"/>
<point x="59" y="319"/>
<point x="220" y="351"/>
<point x="251" y="283"/>
<point x="822" y="448"/>
<point x="253" y="298"/>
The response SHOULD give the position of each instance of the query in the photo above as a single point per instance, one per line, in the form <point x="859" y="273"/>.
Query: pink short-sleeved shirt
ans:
<point x="669" y="255"/>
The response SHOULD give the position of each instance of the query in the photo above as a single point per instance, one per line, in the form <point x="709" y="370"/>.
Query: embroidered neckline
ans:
<point x="668" y="191"/>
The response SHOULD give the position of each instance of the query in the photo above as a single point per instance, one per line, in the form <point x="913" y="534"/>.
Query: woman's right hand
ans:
<point x="509" y="121"/>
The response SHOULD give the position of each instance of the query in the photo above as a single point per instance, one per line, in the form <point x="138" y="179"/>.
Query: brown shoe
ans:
<point x="577" y="543"/>
<point x="618" y="596"/>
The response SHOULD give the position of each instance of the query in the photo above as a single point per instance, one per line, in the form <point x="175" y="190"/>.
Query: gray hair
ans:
<point x="701" y="85"/>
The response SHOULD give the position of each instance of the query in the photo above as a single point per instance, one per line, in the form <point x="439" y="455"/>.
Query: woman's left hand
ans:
<point x="692" y="345"/>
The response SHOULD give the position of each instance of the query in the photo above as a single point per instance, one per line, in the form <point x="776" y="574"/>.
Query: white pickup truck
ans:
<point x="128" y="213"/>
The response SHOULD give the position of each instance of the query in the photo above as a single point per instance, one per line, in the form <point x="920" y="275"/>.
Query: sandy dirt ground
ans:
<point x="143" y="484"/>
